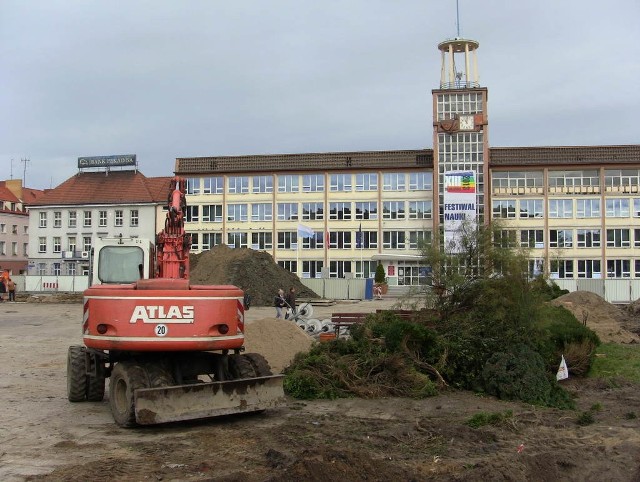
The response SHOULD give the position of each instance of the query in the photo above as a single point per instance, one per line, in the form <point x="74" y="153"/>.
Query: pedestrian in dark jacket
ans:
<point x="291" y="302"/>
<point x="279" y="302"/>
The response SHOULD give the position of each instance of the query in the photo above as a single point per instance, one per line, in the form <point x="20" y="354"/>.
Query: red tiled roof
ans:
<point x="30" y="195"/>
<point x="7" y="195"/>
<point x="116" y="187"/>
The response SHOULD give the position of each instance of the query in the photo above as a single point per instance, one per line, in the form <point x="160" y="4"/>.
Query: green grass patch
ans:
<point x="614" y="361"/>
<point x="482" y="418"/>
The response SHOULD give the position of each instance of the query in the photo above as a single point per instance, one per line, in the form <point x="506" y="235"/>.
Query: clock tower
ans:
<point x="460" y="138"/>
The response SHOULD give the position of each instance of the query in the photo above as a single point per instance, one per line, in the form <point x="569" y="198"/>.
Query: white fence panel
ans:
<point x="54" y="284"/>
<point x="618" y="290"/>
<point x="338" y="288"/>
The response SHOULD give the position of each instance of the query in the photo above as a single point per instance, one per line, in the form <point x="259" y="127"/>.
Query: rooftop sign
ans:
<point x="107" y="161"/>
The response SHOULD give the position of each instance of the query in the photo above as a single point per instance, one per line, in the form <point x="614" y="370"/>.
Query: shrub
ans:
<point x="380" y="276"/>
<point x="520" y="374"/>
<point x="482" y="418"/>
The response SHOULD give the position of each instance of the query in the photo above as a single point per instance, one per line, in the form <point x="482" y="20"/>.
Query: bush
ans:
<point x="380" y="276"/>
<point x="520" y="374"/>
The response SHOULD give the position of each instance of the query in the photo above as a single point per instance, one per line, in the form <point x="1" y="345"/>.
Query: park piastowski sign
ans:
<point x="459" y="205"/>
<point x="107" y="161"/>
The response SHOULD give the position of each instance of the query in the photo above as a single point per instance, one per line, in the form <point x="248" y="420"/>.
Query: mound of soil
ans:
<point x="255" y="272"/>
<point x="611" y="324"/>
<point x="277" y="340"/>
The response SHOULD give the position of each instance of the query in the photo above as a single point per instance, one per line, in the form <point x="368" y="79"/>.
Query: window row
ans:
<point x="565" y="179"/>
<point x="14" y="229"/>
<point x="339" y="211"/>
<point x="368" y="181"/>
<point x="566" y="208"/>
<point x="569" y="238"/>
<point x="321" y="240"/>
<point x="118" y="216"/>
<point x="592" y="268"/>
<point x="57" y="244"/>
<point x="14" y="248"/>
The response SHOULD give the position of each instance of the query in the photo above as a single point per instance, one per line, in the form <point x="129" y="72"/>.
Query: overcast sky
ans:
<point x="166" y="79"/>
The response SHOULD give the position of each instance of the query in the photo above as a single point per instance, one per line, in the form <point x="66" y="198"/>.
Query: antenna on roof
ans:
<point x="458" y="18"/>
<point x="24" y="171"/>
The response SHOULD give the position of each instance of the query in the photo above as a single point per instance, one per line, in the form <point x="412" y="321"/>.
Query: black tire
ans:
<point x="240" y="367"/>
<point x="76" y="374"/>
<point x="126" y="378"/>
<point x="158" y="375"/>
<point x="95" y="383"/>
<point x="260" y="364"/>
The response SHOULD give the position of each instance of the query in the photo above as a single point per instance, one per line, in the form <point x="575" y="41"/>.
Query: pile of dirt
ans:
<point x="611" y="324"/>
<point x="277" y="340"/>
<point x="255" y="272"/>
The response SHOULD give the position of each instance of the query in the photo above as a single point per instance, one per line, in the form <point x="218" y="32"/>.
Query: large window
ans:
<point x="43" y="219"/>
<point x="504" y="208"/>
<point x="87" y="219"/>
<point x="419" y="239"/>
<point x="72" y="219"/>
<point x="212" y="213"/>
<point x="560" y="208"/>
<point x="262" y="184"/>
<point x="588" y="208"/>
<point x="340" y="183"/>
<point x="393" y="210"/>
<point x="287" y="240"/>
<point x="589" y="268"/>
<point x="261" y="212"/>
<point x="133" y="217"/>
<point x="42" y="244"/>
<point x="618" y="268"/>
<point x="621" y="177"/>
<point x="366" y="210"/>
<point x="315" y="242"/>
<point x="340" y="239"/>
<point x="562" y="268"/>
<point x="340" y="211"/>
<point x="102" y="219"/>
<point x="394" y="181"/>
<point x="588" y="238"/>
<point x="57" y="244"/>
<point x="574" y="179"/>
<point x="193" y="185"/>
<point x="312" y="269"/>
<point x="532" y="238"/>
<point x="238" y="185"/>
<point x="618" y="238"/>
<point x="237" y="212"/>
<point x="561" y="238"/>
<point x="262" y="240"/>
<point x="450" y="105"/>
<point x="287" y="211"/>
<point x="312" y="211"/>
<point x="420" y="209"/>
<point x="617" y="208"/>
<point x="192" y="215"/>
<point x="393" y="239"/>
<point x="313" y="183"/>
<point x="119" y="218"/>
<point x="420" y="181"/>
<point x="213" y="185"/>
<point x="516" y="179"/>
<point x="531" y="208"/>
<point x="210" y="240"/>
<point x="57" y="219"/>
<point x="289" y="183"/>
<point x="237" y="240"/>
<point x="367" y="181"/>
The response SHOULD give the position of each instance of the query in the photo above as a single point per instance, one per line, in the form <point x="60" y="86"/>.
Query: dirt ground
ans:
<point x="44" y="437"/>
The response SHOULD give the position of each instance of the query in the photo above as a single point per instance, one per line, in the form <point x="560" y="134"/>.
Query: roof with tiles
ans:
<point x="564" y="156"/>
<point x="7" y="195"/>
<point x="422" y="158"/>
<point x="115" y="187"/>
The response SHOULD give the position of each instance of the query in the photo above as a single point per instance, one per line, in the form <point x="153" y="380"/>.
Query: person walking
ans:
<point x="11" y="288"/>
<point x="291" y="302"/>
<point x="279" y="302"/>
<point x="3" y="289"/>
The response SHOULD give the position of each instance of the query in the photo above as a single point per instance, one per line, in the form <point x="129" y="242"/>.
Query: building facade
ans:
<point x="65" y="221"/>
<point x="340" y="214"/>
<point x="14" y="225"/>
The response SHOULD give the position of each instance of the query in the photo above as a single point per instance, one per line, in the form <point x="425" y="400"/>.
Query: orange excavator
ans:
<point x="172" y="350"/>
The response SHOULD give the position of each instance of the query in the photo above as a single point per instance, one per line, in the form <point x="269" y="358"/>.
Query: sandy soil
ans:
<point x="44" y="437"/>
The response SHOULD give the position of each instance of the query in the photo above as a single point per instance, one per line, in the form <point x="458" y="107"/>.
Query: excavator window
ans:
<point x="120" y="264"/>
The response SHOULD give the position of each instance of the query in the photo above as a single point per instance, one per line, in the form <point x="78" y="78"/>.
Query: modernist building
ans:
<point x="339" y="214"/>
<point x="14" y="225"/>
<point x="65" y="220"/>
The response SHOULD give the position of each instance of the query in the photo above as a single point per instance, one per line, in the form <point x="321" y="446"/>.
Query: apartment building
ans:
<point x="339" y="214"/>
<point x="14" y="225"/>
<point x="65" y="221"/>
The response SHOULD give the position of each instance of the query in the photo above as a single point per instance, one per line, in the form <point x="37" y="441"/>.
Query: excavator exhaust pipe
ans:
<point x="206" y="400"/>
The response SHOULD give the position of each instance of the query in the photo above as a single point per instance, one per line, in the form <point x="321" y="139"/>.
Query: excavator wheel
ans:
<point x="158" y="375"/>
<point x="76" y="374"/>
<point x="95" y="379"/>
<point x="240" y="367"/>
<point x="260" y="364"/>
<point x="126" y="378"/>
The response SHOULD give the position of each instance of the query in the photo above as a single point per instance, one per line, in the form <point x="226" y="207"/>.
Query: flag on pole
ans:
<point x="359" y="237"/>
<point x="563" y="371"/>
<point x="305" y="231"/>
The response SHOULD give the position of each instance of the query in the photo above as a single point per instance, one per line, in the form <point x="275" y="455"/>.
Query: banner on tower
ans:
<point x="459" y="205"/>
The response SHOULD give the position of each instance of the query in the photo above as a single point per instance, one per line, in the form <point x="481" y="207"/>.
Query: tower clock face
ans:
<point x="466" y="123"/>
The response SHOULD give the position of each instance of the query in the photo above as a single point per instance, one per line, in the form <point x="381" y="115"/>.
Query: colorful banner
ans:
<point x="459" y="205"/>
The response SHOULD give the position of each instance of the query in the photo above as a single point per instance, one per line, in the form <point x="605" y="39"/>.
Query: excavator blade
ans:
<point x="204" y="400"/>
